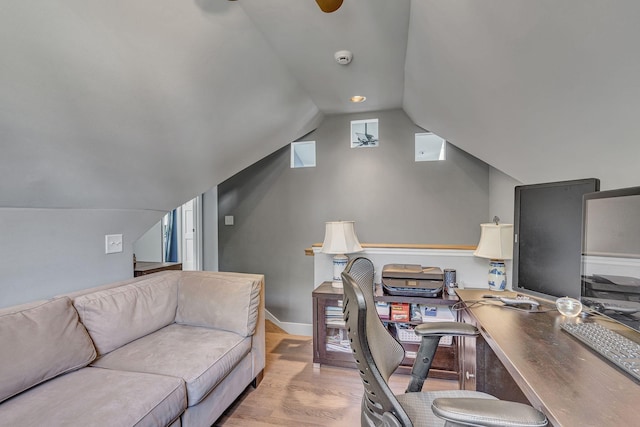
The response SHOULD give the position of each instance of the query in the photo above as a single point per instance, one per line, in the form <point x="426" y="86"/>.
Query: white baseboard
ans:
<point x="291" y="328"/>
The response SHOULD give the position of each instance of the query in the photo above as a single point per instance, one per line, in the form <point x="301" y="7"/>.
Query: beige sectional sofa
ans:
<point x="170" y="349"/>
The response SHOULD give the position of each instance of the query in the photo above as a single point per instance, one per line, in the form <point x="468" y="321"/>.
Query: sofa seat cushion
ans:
<point x="202" y="357"/>
<point x="98" y="397"/>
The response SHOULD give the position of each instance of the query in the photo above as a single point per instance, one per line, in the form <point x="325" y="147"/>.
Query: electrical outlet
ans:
<point x="112" y="243"/>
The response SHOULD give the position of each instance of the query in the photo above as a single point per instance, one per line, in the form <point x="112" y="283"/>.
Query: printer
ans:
<point x="412" y="280"/>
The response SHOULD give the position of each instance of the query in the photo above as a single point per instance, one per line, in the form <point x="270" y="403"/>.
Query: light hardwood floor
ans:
<point x="294" y="393"/>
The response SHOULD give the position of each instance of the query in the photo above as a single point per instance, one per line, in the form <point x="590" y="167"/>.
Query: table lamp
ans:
<point x="496" y="243"/>
<point x="340" y="239"/>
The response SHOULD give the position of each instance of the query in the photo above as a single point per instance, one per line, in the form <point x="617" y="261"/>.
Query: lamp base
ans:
<point x="339" y="263"/>
<point x="497" y="275"/>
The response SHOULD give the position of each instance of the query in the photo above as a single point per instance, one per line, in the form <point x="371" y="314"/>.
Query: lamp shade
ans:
<point x="496" y="241"/>
<point x="340" y="238"/>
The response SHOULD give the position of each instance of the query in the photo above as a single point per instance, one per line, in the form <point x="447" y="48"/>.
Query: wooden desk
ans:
<point x="142" y="268"/>
<point x="557" y="374"/>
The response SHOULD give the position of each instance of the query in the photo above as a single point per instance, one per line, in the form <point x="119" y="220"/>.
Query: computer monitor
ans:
<point x="611" y="254"/>
<point x="547" y="237"/>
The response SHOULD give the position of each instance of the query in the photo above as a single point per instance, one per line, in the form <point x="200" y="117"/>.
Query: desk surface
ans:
<point x="571" y="384"/>
<point x="142" y="268"/>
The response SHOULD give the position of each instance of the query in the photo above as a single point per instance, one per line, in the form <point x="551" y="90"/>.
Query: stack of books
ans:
<point x="333" y="317"/>
<point x="383" y="310"/>
<point x="337" y="336"/>
<point x="400" y="312"/>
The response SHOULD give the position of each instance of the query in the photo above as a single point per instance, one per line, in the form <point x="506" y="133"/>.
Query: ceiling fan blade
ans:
<point x="329" y="6"/>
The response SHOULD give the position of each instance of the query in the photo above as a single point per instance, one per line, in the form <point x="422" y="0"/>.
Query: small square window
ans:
<point x="430" y="147"/>
<point x="364" y="133"/>
<point x="303" y="154"/>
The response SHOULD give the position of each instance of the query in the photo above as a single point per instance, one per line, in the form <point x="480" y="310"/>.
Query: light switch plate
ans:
<point x="228" y="220"/>
<point x="112" y="243"/>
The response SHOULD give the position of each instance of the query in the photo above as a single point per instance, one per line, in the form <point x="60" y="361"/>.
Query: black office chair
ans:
<point x="378" y="354"/>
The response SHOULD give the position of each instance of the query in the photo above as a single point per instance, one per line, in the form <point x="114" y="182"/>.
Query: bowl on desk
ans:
<point x="569" y="307"/>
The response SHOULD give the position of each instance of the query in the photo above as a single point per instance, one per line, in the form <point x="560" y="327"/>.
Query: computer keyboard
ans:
<point x="611" y="345"/>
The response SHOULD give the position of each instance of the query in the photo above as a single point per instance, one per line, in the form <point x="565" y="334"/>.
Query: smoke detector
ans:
<point x="343" y="57"/>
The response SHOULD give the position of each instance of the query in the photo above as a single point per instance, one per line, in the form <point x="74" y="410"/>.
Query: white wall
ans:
<point x="471" y="271"/>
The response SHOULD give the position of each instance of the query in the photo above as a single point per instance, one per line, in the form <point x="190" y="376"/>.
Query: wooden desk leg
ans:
<point x="492" y="377"/>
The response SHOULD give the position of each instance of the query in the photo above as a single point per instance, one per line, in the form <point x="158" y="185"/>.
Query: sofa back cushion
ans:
<point x="219" y="300"/>
<point x="40" y="341"/>
<point x="117" y="316"/>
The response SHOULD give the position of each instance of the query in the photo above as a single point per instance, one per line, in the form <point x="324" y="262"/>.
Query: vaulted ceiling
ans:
<point x="144" y="104"/>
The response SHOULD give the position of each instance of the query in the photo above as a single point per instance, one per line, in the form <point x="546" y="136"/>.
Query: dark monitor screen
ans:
<point x="611" y="254"/>
<point x="547" y="237"/>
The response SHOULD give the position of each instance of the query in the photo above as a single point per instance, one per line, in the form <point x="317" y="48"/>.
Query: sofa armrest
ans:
<point x="220" y="300"/>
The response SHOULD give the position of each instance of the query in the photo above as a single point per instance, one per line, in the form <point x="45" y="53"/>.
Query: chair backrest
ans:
<point x="376" y="352"/>
<point x="362" y="271"/>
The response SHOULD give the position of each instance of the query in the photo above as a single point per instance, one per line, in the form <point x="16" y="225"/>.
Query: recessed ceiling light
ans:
<point x="358" y="98"/>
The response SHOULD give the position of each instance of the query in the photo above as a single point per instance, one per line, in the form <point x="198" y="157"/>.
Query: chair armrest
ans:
<point x="445" y="328"/>
<point x="459" y="411"/>
<point x="431" y="332"/>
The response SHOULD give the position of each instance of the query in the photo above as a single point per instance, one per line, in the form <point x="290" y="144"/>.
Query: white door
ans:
<point x="189" y="240"/>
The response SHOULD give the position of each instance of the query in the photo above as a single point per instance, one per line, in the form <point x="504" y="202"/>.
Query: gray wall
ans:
<point x="502" y="195"/>
<point x="149" y="246"/>
<point x="279" y="211"/>
<point x="210" y="230"/>
<point x="46" y="252"/>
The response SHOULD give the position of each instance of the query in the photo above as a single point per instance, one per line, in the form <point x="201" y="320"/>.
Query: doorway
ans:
<point x="175" y="238"/>
<point x="189" y="235"/>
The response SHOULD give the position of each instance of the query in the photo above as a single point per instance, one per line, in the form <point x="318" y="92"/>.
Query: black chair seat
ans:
<point x="415" y="403"/>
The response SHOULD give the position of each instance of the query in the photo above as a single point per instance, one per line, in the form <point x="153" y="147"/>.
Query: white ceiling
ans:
<point x="143" y="104"/>
<point x="543" y="90"/>
<point x="305" y="39"/>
